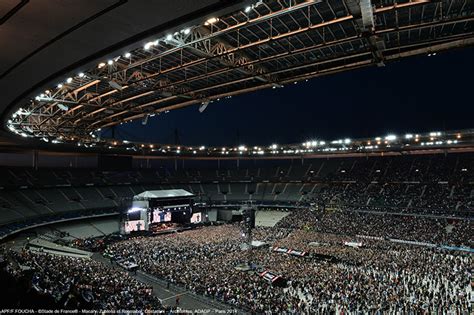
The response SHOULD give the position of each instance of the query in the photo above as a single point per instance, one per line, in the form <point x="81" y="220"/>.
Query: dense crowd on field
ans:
<point x="380" y="276"/>
<point x="435" y="230"/>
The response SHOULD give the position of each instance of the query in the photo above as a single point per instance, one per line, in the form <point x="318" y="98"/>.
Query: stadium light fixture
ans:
<point x="211" y="21"/>
<point x="187" y="31"/>
<point x="101" y="65"/>
<point x="169" y="37"/>
<point x="391" y="137"/>
<point x="81" y="75"/>
<point x="63" y="107"/>
<point x="69" y="80"/>
<point x="148" y="45"/>
<point x="247" y="9"/>
<point x="127" y="55"/>
<point x="408" y="136"/>
<point x="110" y="62"/>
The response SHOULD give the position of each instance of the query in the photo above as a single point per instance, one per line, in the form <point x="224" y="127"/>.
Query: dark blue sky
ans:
<point x="413" y="95"/>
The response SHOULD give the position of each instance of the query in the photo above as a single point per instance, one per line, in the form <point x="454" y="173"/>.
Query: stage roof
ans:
<point x="168" y="193"/>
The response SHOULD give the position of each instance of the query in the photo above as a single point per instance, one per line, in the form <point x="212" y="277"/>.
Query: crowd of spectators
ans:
<point x="441" y="231"/>
<point x="80" y="283"/>
<point x="402" y="197"/>
<point x="379" y="276"/>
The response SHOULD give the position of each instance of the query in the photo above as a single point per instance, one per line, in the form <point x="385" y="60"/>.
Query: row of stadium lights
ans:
<point x="240" y="149"/>
<point x="147" y="46"/>
<point x="110" y="62"/>
<point x="308" y="147"/>
<point x="82" y="75"/>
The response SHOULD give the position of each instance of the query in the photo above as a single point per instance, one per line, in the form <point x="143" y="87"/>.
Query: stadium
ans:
<point x="247" y="157"/>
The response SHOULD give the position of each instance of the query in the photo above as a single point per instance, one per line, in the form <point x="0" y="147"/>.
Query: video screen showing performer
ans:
<point x="161" y="216"/>
<point x="134" y="226"/>
<point x="196" y="217"/>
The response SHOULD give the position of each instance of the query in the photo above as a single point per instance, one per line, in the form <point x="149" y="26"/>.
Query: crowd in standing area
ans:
<point x="405" y="227"/>
<point x="380" y="276"/>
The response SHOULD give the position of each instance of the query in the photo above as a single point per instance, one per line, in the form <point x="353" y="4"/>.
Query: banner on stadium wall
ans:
<point x="290" y="251"/>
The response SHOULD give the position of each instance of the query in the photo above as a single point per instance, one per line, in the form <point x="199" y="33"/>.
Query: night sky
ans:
<point x="418" y="94"/>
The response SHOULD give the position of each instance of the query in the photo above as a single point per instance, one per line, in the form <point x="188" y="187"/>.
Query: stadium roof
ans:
<point x="43" y="40"/>
<point x="264" y="44"/>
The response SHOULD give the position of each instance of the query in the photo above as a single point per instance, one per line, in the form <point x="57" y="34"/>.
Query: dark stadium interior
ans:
<point x="247" y="157"/>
